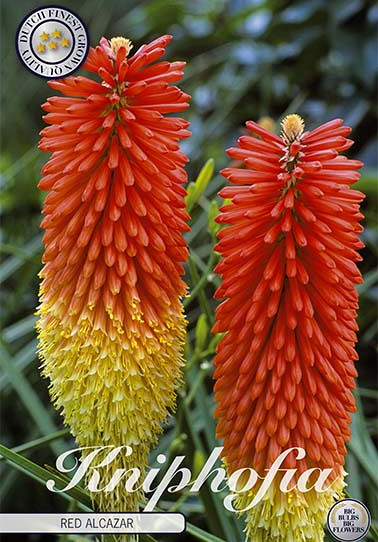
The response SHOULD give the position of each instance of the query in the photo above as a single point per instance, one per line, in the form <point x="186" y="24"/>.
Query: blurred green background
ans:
<point x="247" y="59"/>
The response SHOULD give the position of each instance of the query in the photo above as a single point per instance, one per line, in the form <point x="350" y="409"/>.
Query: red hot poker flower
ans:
<point x="111" y="324"/>
<point x="284" y="369"/>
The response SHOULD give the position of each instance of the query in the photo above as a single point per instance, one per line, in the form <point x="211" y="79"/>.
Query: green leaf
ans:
<point x="39" y="442"/>
<point x="368" y="181"/>
<point x="42" y="475"/>
<point x="13" y="263"/>
<point x="361" y="444"/>
<point x="29" y="398"/>
<point x="370" y="278"/>
<point x="19" y="329"/>
<point x="202" y="329"/>
<point x="199" y="534"/>
<point x="21" y="360"/>
<point x="213" y="227"/>
<point x="196" y="189"/>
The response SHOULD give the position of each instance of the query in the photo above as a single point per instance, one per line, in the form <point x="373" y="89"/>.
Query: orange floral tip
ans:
<point x="284" y="368"/>
<point x="111" y="324"/>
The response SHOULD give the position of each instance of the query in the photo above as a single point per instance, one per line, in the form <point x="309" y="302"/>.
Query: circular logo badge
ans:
<point x="52" y="42"/>
<point x="348" y="519"/>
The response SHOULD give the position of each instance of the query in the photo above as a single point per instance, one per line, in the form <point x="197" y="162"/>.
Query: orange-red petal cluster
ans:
<point x="284" y="369"/>
<point x="111" y="325"/>
<point x="285" y="366"/>
<point x="115" y="211"/>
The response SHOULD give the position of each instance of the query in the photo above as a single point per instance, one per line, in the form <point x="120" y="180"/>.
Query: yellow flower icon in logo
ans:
<point x="54" y="40"/>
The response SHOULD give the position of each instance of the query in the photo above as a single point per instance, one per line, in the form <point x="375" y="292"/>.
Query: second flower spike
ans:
<point x="111" y="324"/>
<point x="284" y="369"/>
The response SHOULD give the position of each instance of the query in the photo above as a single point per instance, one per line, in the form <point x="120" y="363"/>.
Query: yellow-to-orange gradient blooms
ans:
<point x="111" y="324"/>
<point x="284" y="369"/>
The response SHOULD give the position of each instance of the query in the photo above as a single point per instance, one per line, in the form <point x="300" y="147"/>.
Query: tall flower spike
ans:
<point x="284" y="369"/>
<point x="111" y="324"/>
